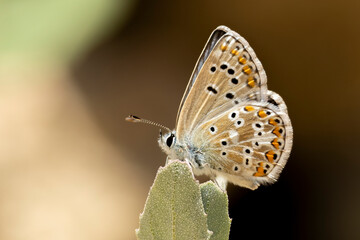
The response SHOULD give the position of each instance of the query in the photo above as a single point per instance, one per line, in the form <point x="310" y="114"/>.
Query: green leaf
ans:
<point x="174" y="208"/>
<point x="216" y="206"/>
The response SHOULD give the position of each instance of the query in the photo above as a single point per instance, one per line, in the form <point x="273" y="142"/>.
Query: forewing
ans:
<point x="231" y="74"/>
<point x="209" y="46"/>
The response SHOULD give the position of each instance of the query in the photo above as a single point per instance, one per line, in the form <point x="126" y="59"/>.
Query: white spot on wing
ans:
<point x="258" y="126"/>
<point x="213" y="129"/>
<point x="233" y="115"/>
<point x="239" y="122"/>
<point x="234" y="136"/>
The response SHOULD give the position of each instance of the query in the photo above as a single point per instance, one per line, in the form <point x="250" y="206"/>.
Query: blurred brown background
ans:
<point x="70" y="71"/>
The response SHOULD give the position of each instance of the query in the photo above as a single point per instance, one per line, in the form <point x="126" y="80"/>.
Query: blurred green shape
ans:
<point x="215" y="203"/>
<point x="57" y="30"/>
<point x="174" y="209"/>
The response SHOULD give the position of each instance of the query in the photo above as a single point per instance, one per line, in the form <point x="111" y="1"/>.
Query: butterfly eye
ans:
<point x="170" y="140"/>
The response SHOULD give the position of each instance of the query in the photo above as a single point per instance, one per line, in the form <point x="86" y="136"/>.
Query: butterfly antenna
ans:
<point x="136" y="119"/>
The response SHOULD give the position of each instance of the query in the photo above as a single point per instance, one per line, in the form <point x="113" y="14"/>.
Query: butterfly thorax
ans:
<point x="185" y="151"/>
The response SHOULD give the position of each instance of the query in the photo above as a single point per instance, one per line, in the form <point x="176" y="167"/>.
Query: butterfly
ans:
<point x="229" y="125"/>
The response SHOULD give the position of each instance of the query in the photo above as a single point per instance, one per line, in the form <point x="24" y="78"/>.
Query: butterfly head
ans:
<point x="167" y="142"/>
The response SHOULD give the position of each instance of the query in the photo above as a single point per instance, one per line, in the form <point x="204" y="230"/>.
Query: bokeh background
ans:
<point x="71" y="70"/>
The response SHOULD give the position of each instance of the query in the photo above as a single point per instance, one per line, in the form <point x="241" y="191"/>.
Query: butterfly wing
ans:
<point x="240" y="127"/>
<point x="227" y="73"/>
<point x="249" y="144"/>
<point x="209" y="46"/>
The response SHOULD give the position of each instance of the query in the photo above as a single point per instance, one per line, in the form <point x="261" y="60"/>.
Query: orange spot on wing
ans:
<point x="242" y="60"/>
<point x="223" y="47"/>
<point x="272" y="122"/>
<point x="275" y="143"/>
<point x="234" y="52"/>
<point x="251" y="82"/>
<point x="270" y="156"/>
<point x="247" y="70"/>
<point x="276" y="132"/>
<point x="260" y="172"/>
<point x="249" y="108"/>
<point x="262" y="114"/>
